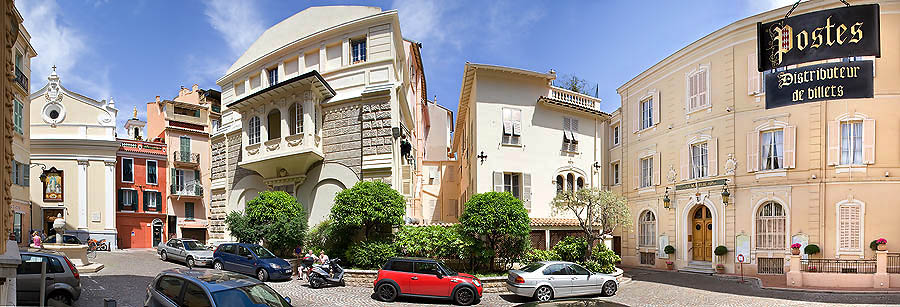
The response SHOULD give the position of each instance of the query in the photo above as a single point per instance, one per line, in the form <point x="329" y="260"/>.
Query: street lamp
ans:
<point x="666" y="200"/>
<point x="725" y="195"/>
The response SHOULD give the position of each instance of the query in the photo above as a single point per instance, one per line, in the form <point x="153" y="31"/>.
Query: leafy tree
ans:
<point x="599" y="212"/>
<point x="431" y="241"/>
<point x="573" y="249"/>
<point x="368" y="205"/>
<point x="571" y="82"/>
<point x="274" y="218"/>
<point x="500" y="221"/>
<point x="371" y="254"/>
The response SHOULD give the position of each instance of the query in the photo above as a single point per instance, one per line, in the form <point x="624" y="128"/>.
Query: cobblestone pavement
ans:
<point x="127" y="274"/>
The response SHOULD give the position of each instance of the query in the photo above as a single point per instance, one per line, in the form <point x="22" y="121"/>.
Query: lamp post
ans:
<point x="725" y="195"/>
<point x="666" y="200"/>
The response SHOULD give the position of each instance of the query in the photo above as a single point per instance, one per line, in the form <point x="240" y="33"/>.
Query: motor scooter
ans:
<point x="329" y="273"/>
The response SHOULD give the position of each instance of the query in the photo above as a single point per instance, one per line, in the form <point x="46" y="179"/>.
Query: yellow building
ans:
<point x="695" y="125"/>
<point x="22" y="52"/>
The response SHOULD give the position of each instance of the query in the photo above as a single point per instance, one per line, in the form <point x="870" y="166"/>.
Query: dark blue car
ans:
<point x="250" y="259"/>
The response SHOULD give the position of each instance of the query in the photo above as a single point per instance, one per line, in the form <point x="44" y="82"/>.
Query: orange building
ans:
<point x="140" y="189"/>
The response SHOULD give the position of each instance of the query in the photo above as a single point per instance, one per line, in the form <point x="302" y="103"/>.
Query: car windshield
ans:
<point x="193" y="246"/>
<point x="532" y="267"/>
<point x="255" y="295"/>
<point x="261" y="252"/>
<point x="450" y="272"/>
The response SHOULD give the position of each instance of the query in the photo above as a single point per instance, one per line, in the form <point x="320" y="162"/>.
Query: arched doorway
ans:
<point x="701" y="233"/>
<point x="157" y="232"/>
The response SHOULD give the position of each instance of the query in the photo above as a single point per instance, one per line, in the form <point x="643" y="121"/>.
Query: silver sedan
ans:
<point x="546" y="280"/>
<point x="189" y="251"/>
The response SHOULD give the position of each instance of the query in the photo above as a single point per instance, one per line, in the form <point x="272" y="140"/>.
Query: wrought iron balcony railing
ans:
<point x="21" y="79"/>
<point x="188" y="189"/>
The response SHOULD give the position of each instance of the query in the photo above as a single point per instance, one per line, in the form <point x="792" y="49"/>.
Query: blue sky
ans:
<point x="135" y="50"/>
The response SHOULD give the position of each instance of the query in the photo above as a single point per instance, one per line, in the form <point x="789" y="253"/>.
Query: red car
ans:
<point x="420" y="277"/>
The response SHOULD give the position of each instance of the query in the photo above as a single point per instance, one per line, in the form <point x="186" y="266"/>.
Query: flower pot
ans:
<point x="795" y="251"/>
<point x="720" y="269"/>
<point x="882" y="247"/>
<point x="670" y="266"/>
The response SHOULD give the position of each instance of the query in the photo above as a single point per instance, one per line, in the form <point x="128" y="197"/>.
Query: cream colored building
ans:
<point x="815" y="173"/>
<point x="316" y="104"/>
<point x="22" y="52"/>
<point x="73" y="143"/>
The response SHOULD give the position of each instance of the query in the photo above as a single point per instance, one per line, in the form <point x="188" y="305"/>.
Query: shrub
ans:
<point x="571" y="249"/>
<point x="324" y="237"/>
<point x="430" y="241"/>
<point x="874" y="245"/>
<point x="500" y="221"/>
<point x="368" y="205"/>
<point x="605" y="258"/>
<point x="535" y="255"/>
<point x="274" y="218"/>
<point x="721" y="250"/>
<point x="811" y="249"/>
<point x="669" y="250"/>
<point x="370" y="254"/>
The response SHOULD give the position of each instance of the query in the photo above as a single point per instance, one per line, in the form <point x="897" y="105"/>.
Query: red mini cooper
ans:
<point x="421" y="277"/>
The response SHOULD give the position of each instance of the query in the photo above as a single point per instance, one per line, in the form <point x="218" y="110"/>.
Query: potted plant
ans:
<point x="811" y="249"/>
<point x="670" y="265"/>
<point x="669" y="250"/>
<point x="720" y="268"/>
<point x="811" y="268"/>
<point x="795" y="249"/>
<point x="720" y="251"/>
<point x="880" y="244"/>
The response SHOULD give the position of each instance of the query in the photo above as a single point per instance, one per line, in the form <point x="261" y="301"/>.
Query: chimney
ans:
<point x="157" y="98"/>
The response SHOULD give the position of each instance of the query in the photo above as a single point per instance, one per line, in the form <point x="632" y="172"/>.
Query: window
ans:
<point x="559" y="184"/>
<point x="151" y="172"/>
<point x="152" y="199"/>
<point x="580" y="183"/>
<point x="647" y="235"/>
<point x="127" y="170"/>
<point x="296" y="118"/>
<point x="128" y="199"/>
<point x="187" y="112"/>
<point x="179" y="179"/>
<point x="170" y="286"/>
<point x="849" y="227"/>
<point x="430" y="268"/>
<point x="646" y="172"/>
<point x="31" y="264"/>
<point x="646" y="114"/>
<point x="699" y="160"/>
<point x="512" y="126"/>
<point x="615" y="136"/>
<point x="315" y="119"/>
<point x="273" y="124"/>
<point x="227" y="248"/>
<point x="17" y="226"/>
<point x="194" y="296"/>
<point x="18" y="111"/>
<point x="215" y="125"/>
<point x="26" y="174"/>
<point x="570" y="132"/>
<point x="189" y="210"/>
<point x="401" y="266"/>
<point x="851" y="143"/>
<point x="185" y="147"/>
<point x="698" y="96"/>
<point x="511" y="184"/>
<point x="14" y="172"/>
<point x="556" y="269"/>
<point x="358" y="50"/>
<point x="770" y="227"/>
<point x="578" y="270"/>
<point x="772" y="149"/>
<point x="570" y="182"/>
<point x="615" y="170"/>
<point x="253" y="132"/>
<point x="272" y="73"/>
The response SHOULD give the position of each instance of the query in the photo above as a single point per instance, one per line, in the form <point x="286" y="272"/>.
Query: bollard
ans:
<point x="108" y="302"/>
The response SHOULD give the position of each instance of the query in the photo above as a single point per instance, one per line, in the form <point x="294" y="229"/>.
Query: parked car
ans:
<point x="205" y="287"/>
<point x="63" y="281"/>
<point x="189" y="251"/>
<point x="547" y="280"/>
<point x="423" y="277"/>
<point x="250" y="259"/>
<point x="67" y="239"/>
<point x="582" y="302"/>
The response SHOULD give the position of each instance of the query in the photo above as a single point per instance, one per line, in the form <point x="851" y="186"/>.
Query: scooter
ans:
<point x="329" y="273"/>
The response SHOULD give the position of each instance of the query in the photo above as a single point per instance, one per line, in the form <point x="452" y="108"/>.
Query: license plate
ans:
<point x="288" y="271"/>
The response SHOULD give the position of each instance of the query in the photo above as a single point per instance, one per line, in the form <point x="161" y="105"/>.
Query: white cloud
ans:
<point x="56" y="43"/>
<point x="420" y="19"/>
<point x="239" y="22"/>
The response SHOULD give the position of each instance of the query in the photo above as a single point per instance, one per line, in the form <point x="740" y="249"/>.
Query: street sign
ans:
<point x="828" y="81"/>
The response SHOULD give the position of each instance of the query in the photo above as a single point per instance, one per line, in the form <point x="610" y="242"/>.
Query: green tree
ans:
<point x="599" y="213"/>
<point x="368" y="205"/>
<point x="500" y="221"/>
<point x="274" y="218"/>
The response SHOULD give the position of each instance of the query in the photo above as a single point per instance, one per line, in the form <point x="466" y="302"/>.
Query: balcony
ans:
<point x="293" y="153"/>
<point x="573" y="100"/>
<point x="189" y="189"/>
<point x="22" y="80"/>
<point x="186" y="158"/>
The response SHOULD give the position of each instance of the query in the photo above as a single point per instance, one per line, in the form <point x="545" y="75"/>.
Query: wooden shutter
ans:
<point x="657" y="169"/>
<point x="637" y="173"/>
<point x="121" y="201"/>
<point x="657" y="105"/>
<point x="517" y="122"/>
<point x="146" y="197"/>
<point x="686" y="162"/>
<point x="498" y="182"/>
<point x="712" y="156"/>
<point x="753" y="76"/>
<point x="790" y="146"/>
<point x="159" y="203"/>
<point x="636" y="118"/>
<point x="834" y="143"/>
<point x="868" y="139"/>
<point x="526" y="191"/>
<point x="752" y="151"/>
<point x="134" y="200"/>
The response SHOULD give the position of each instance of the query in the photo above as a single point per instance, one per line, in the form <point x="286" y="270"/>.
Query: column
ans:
<point x="110" y="209"/>
<point x="308" y="120"/>
<point x="285" y="108"/>
<point x="82" y="194"/>
<point x="794" y="276"/>
<point x="882" y="279"/>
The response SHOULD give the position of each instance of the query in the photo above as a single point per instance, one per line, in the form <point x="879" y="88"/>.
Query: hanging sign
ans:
<point x="828" y="81"/>
<point x="52" y="181"/>
<point x="828" y="34"/>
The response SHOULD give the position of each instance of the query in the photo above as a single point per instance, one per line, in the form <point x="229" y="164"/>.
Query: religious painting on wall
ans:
<point x="52" y="180"/>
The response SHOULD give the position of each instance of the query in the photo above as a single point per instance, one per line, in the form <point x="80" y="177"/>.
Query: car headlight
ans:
<point x="274" y="265"/>
<point x="476" y="282"/>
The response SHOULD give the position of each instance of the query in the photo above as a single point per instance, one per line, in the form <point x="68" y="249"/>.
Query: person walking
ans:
<point x="36" y="239"/>
<point x="298" y="253"/>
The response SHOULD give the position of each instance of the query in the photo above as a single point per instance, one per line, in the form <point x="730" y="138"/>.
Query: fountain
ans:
<point x="77" y="253"/>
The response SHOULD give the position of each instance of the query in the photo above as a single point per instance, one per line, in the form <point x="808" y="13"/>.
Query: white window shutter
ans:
<point x="790" y="146"/>
<point x="637" y="173"/>
<point x="686" y="162"/>
<point x="868" y="139"/>
<point x="753" y="76"/>
<point x="657" y="105"/>
<point x="834" y="142"/>
<point x="713" y="157"/>
<point x="498" y="182"/>
<point x="752" y="151"/>
<point x="517" y="122"/>
<point x="526" y="191"/>
<point x="636" y="117"/>
<point x="574" y="130"/>
<point x="657" y="169"/>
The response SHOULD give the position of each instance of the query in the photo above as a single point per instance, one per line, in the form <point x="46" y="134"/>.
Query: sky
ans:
<point x="132" y="51"/>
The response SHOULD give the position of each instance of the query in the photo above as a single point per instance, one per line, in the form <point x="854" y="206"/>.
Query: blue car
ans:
<point x="209" y="288"/>
<point x="251" y="259"/>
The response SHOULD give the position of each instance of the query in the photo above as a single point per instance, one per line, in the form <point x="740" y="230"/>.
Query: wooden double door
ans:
<point x="701" y="234"/>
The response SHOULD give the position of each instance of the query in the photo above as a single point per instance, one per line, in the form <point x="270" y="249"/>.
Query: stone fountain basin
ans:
<point x="77" y="253"/>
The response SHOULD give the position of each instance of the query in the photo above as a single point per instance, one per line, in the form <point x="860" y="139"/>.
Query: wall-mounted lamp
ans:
<point x="597" y="165"/>
<point x="725" y="195"/>
<point x="481" y="157"/>
<point x="666" y="200"/>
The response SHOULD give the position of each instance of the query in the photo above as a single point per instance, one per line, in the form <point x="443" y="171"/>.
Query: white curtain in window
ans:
<point x="772" y="149"/>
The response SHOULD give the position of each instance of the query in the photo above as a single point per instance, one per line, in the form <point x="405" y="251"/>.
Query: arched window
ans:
<point x="580" y="183"/>
<point x="570" y="182"/>
<point x="273" y="124"/>
<point x="253" y="131"/>
<point x="647" y="234"/>
<point x="850" y="227"/>
<point x="559" y="184"/>
<point x="296" y="118"/>
<point x="770" y="227"/>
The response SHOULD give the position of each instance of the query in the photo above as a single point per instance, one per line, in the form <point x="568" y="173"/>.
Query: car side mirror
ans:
<point x="287" y="299"/>
<point x="440" y="275"/>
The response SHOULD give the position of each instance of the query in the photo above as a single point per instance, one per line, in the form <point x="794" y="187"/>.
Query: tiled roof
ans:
<point x="553" y="222"/>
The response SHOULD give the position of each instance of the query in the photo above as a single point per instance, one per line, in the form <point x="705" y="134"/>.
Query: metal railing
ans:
<point x="893" y="263"/>
<point x="188" y="189"/>
<point x="186" y="157"/>
<point x="21" y="79"/>
<point x="838" y="266"/>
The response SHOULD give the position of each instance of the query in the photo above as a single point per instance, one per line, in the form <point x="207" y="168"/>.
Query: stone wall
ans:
<point x="217" y="212"/>
<point x="341" y="136"/>
<point x="376" y="128"/>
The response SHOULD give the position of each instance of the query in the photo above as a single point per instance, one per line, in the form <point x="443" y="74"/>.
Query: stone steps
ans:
<point x="699" y="267"/>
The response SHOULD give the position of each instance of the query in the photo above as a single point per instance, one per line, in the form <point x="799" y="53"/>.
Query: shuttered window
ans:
<point x="647" y="231"/>
<point x="570" y="134"/>
<point x="512" y="126"/>
<point x="615" y="173"/>
<point x="127" y="170"/>
<point x="699" y="160"/>
<point x="151" y="172"/>
<point x="646" y="113"/>
<point x="770" y="227"/>
<point x="849" y="227"/>
<point x="296" y="117"/>
<point x="851" y="143"/>
<point x="755" y="79"/>
<point x="698" y="94"/>
<point x="511" y="184"/>
<point x="18" y="110"/>
<point x="772" y="149"/>
<point x="253" y="131"/>
<point x="646" y="172"/>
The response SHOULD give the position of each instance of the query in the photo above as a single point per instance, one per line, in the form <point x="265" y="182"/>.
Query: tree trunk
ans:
<point x="590" y="247"/>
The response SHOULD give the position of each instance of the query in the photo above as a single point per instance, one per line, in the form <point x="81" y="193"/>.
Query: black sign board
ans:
<point x="701" y="184"/>
<point x="829" y="81"/>
<point x="828" y="34"/>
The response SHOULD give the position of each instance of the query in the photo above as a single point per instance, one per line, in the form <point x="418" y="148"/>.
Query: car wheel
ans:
<point x="218" y="265"/>
<point x="190" y="262"/>
<point x="387" y="292"/>
<point x="262" y="275"/>
<point x="543" y="294"/>
<point x="163" y="256"/>
<point x="60" y="297"/>
<point x="464" y="296"/>
<point x="609" y="288"/>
